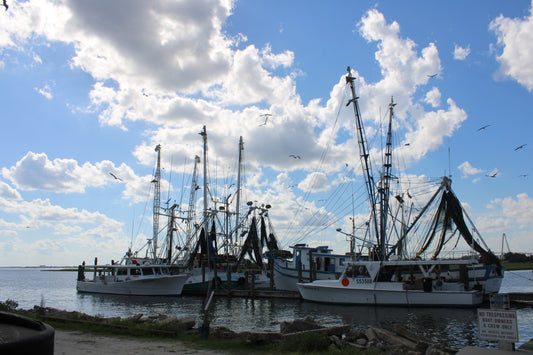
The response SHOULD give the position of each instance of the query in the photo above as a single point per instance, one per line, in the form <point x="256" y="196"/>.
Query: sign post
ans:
<point x="499" y="323"/>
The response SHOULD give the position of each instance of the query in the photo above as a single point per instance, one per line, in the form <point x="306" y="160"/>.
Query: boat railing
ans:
<point x="446" y="255"/>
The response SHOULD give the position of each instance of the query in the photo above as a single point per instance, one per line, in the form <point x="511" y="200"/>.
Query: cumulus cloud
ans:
<point x="506" y="214"/>
<point x="461" y="53"/>
<point x="8" y="192"/>
<point x="433" y="97"/>
<point x="314" y="182"/>
<point x="74" y="231"/>
<point x="515" y="40"/>
<point x="36" y="172"/>
<point x="432" y="127"/>
<point x="468" y="170"/>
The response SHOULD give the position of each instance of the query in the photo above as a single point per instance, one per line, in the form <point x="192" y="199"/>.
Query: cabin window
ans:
<point x="357" y="271"/>
<point x="148" y="271"/>
<point x="135" y="272"/>
<point x="341" y="262"/>
<point x="122" y="271"/>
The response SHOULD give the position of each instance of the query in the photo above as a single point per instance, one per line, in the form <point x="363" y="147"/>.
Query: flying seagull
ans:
<point x="295" y="156"/>
<point x="266" y="116"/>
<point x="432" y="75"/>
<point x="482" y="128"/>
<point x="520" y="147"/>
<point x="5" y="4"/>
<point x="493" y="175"/>
<point x="116" y="177"/>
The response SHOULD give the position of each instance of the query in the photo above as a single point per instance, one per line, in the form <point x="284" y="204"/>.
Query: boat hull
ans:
<point x="171" y="285"/>
<point x="390" y="297"/>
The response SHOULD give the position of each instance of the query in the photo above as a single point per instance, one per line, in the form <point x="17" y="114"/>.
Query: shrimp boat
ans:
<point x="152" y="275"/>
<point x="394" y="283"/>
<point x="410" y="270"/>
<point x="132" y="279"/>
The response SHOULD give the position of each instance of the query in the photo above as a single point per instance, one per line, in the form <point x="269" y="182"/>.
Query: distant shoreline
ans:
<point x="508" y="267"/>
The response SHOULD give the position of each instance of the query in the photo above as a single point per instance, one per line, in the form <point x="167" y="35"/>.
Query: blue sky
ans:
<point x="90" y="88"/>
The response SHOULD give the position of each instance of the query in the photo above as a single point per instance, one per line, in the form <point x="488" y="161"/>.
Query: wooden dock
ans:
<point x="257" y="293"/>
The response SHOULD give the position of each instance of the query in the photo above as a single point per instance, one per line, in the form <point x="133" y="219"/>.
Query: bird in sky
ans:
<point x="116" y="177"/>
<point x="482" y="128"/>
<point x="520" y="147"/>
<point x="295" y="156"/>
<point x="432" y="75"/>
<point x="266" y="116"/>
<point x="523" y="175"/>
<point x="492" y="175"/>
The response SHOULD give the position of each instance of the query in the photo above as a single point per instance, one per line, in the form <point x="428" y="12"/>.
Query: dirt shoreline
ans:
<point x="76" y="342"/>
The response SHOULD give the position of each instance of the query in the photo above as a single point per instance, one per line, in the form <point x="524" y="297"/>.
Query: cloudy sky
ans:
<point x="89" y="88"/>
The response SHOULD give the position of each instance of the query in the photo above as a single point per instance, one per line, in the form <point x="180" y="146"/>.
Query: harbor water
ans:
<point x="454" y="327"/>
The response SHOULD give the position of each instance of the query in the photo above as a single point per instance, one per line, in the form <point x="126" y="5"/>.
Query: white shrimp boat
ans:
<point x="132" y="279"/>
<point x="412" y="269"/>
<point x="395" y="283"/>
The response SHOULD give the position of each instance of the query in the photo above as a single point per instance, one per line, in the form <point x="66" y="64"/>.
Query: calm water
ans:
<point x="454" y="327"/>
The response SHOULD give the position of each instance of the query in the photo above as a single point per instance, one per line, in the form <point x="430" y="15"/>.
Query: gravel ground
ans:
<point x="67" y="343"/>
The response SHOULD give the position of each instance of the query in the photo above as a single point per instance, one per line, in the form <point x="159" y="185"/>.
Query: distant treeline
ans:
<point x="517" y="258"/>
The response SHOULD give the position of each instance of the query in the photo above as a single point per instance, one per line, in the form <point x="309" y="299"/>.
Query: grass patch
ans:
<point x="509" y="266"/>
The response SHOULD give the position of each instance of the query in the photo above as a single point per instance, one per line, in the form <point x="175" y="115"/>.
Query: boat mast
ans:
<point x="365" y="161"/>
<point x="238" y="197"/>
<point x="157" y="198"/>
<point x="384" y="191"/>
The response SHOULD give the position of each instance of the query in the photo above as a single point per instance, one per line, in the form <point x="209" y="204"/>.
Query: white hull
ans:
<point x="167" y="285"/>
<point x="335" y="293"/>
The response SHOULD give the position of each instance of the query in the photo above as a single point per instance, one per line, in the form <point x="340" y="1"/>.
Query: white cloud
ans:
<point x="509" y="214"/>
<point x="45" y="91"/>
<point x="433" y="97"/>
<point x="515" y="38"/>
<point x="461" y="53"/>
<point x="432" y="127"/>
<point x="8" y="192"/>
<point x="76" y="232"/>
<point x="36" y="172"/>
<point x="314" y="182"/>
<point x="468" y="170"/>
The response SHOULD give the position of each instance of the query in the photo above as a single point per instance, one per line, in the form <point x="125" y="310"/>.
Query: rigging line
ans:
<point x="313" y="217"/>
<point x="326" y="223"/>
<point x="331" y="205"/>
<point x="322" y="159"/>
<point x="144" y="211"/>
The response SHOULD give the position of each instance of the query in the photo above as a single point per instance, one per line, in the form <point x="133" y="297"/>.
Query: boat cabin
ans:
<point x="117" y="273"/>
<point x="321" y="256"/>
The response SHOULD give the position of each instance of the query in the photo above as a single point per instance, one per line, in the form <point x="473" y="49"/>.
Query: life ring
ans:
<point x="345" y="282"/>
